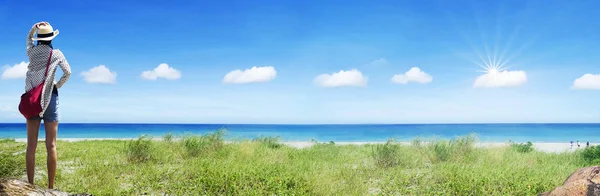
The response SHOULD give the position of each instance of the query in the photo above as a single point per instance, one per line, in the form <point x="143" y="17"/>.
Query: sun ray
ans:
<point x="509" y="43"/>
<point x="482" y="66"/>
<point x="474" y="61"/>
<point x="477" y="63"/>
<point x="487" y="51"/>
<point x="492" y="66"/>
<point x="490" y="61"/>
<point x="481" y="57"/>
<point x="504" y="63"/>
<point x="510" y="58"/>
<point x="472" y="45"/>
<point x="483" y="38"/>
<point x="494" y="47"/>
<point x="517" y="52"/>
<point x="500" y="69"/>
<point x="497" y="38"/>
<point x="495" y="63"/>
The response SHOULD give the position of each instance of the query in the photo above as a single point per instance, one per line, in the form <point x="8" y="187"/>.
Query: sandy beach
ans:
<point x="541" y="146"/>
<point x="545" y="147"/>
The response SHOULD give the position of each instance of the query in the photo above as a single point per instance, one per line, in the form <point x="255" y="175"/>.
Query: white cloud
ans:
<point x="500" y="79"/>
<point x="587" y="81"/>
<point x="15" y="72"/>
<point x="413" y="75"/>
<point x="342" y="78"/>
<point x="162" y="71"/>
<point x="100" y="75"/>
<point x="252" y="75"/>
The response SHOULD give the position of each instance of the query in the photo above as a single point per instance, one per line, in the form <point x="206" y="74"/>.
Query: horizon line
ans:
<point x="309" y="124"/>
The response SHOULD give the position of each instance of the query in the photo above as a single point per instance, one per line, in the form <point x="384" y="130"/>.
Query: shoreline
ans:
<point x="551" y="147"/>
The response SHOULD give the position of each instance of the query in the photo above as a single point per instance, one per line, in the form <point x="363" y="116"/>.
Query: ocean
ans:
<point x="325" y="133"/>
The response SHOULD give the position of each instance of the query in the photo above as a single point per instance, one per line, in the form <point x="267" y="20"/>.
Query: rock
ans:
<point x="18" y="187"/>
<point x="584" y="182"/>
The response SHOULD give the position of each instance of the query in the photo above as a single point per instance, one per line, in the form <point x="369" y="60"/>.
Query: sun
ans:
<point x="493" y="61"/>
<point x="492" y="66"/>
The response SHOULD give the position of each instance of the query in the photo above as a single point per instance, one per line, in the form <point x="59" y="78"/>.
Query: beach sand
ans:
<point x="541" y="146"/>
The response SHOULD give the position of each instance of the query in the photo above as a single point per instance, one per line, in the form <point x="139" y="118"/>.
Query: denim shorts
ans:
<point x="51" y="113"/>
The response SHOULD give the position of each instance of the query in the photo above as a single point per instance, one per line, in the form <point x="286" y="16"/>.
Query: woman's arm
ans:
<point x="66" y="68"/>
<point x="30" y="36"/>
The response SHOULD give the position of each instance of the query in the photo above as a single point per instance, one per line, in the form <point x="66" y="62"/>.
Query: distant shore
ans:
<point x="552" y="147"/>
<point x="551" y="133"/>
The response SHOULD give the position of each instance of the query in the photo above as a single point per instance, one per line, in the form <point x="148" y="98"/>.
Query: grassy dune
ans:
<point x="207" y="165"/>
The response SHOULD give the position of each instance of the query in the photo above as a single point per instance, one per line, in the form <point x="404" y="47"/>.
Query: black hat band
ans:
<point x="45" y="35"/>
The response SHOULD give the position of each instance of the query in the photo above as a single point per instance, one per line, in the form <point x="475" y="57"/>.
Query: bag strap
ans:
<point x="48" y="65"/>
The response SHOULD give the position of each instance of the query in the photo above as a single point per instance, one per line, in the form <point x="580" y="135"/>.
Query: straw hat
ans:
<point x="45" y="33"/>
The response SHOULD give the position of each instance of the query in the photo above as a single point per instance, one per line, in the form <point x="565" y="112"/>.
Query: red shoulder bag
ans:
<point x="31" y="105"/>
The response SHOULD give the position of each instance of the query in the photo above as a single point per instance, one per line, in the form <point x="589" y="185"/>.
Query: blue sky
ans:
<point x="359" y="45"/>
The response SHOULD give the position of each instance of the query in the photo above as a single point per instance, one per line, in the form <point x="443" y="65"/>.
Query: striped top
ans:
<point x="38" y="58"/>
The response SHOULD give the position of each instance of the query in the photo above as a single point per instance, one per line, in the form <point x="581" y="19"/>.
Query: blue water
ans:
<point x="347" y="133"/>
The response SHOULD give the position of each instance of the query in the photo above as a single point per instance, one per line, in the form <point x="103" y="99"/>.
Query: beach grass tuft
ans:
<point x="457" y="149"/>
<point x="522" y="148"/>
<point x="591" y="155"/>
<point x="140" y="150"/>
<point x="210" y="142"/>
<point x="270" y="142"/>
<point x="386" y="155"/>
<point x="168" y="137"/>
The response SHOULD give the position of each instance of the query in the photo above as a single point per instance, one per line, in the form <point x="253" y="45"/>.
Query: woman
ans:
<point x="39" y="58"/>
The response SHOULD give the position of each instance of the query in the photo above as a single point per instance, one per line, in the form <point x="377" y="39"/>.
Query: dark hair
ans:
<point x="49" y="43"/>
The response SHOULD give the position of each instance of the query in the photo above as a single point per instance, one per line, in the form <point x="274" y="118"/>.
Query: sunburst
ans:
<point x="492" y="66"/>
<point x="493" y="61"/>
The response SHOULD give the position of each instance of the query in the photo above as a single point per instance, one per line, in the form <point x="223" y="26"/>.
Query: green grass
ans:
<point x="269" y="142"/>
<point x="207" y="165"/>
<point x="202" y="145"/>
<point x="523" y="148"/>
<point x="168" y="137"/>
<point x="591" y="155"/>
<point x="387" y="155"/>
<point x="11" y="164"/>
<point x="140" y="150"/>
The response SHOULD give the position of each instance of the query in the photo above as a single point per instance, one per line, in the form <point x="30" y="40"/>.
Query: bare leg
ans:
<point x="51" y="129"/>
<point x="33" y="128"/>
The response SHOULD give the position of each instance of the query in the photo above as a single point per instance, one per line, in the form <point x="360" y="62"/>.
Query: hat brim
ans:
<point x="46" y="38"/>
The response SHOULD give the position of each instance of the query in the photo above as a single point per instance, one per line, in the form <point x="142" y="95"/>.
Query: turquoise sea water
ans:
<point x="340" y="133"/>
